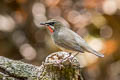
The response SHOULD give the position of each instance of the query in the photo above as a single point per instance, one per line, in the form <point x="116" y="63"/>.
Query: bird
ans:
<point x="66" y="39"/>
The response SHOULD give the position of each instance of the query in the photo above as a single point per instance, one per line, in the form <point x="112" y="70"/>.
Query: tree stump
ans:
<point x="57" y="66"/>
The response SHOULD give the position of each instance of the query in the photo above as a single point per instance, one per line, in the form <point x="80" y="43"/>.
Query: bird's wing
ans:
<point x="73" y="41"/>
<point x="67" y="40"/>
<point x="86" y="47"/>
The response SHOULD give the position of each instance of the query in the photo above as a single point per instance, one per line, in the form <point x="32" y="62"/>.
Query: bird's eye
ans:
<point x="52" y="23"/>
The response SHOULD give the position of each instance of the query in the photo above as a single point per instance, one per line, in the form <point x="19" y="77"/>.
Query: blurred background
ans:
<point x="97" y="21"/>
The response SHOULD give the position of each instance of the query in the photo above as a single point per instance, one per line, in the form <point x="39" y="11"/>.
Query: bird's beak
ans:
<point x="42" y="23"/>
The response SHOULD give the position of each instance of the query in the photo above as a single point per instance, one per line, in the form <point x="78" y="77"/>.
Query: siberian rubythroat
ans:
<point x="66" y="39"/>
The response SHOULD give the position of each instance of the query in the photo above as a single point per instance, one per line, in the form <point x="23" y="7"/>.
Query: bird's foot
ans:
<point x="67" y="59"/>
<point x="70" y="57"/>
<point x="74" y="55"/>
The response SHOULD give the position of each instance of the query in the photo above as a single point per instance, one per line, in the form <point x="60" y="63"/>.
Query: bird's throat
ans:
<point x="50" y="29"/>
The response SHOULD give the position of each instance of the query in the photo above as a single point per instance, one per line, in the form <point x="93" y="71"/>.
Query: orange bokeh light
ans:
<point x="110" y="47"/>
<point x="93" y="3"/>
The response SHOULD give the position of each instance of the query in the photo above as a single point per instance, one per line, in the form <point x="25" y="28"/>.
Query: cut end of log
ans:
<point x="62" y="59"/>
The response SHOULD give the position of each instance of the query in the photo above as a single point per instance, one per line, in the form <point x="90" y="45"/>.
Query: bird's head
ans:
<point x="52" y="25"/>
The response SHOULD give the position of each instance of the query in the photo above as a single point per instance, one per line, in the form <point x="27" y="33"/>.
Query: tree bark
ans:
<point x="57" y="66"/>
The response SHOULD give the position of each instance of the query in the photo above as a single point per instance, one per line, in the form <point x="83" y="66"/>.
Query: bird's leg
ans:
<point x="66" y="58"/>
<point x="59" y="63"/>
<point x="70" y="57"/>
<point x="74" y="55"/>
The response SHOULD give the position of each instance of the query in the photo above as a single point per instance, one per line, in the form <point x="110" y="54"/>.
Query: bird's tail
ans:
<point x="94" y="52"/>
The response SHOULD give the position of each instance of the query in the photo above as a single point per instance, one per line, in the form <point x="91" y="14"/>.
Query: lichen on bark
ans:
<point x="56" y="67"/>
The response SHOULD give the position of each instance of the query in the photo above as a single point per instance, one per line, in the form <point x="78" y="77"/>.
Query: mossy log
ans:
<point x="56" y="67"/>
